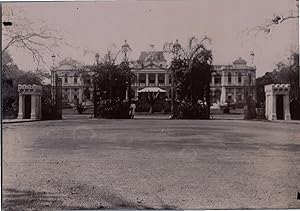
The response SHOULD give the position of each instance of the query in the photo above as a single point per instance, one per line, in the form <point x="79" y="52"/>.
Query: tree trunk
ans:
<point x="151" y="109"/>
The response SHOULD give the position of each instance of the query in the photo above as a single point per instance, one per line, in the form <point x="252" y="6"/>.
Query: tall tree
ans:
<point x="285" y="72"/>
<point x="111" y="82"/>
<point x="191" y="68"/>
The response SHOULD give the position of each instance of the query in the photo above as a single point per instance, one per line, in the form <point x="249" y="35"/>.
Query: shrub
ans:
<point x="114" y="109"/>
<point x="188" y="110"/>
<point x="80" y="108"/>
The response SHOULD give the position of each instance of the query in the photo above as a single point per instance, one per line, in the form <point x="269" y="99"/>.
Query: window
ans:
<point x="240" y="90"/>
<point x="75" y="96"/>
<point x="75" y="79"/>
<point x="151" y="78"/>
<point x="239" y="97"/>
<point x="75" y="89"/>
<point x="66" y="78"/>
<point x="229" y="77"/>
<point x="161" y="78"/>
<point x="229" y="98"/>
<point x="142" y="78"/>
<point x="239" y="77"/>
<point x="66" y="90"/>
<point x="217" y="79"/>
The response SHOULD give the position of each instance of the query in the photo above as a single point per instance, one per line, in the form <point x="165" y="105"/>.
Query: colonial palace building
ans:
<point x="77" y="83"/>
<point x="228" y="82"/>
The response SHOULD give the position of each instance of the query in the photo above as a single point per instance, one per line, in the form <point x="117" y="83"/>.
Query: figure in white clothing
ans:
<point x="132" y="110"/>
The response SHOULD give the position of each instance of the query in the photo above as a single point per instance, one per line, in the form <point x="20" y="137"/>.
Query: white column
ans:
<point x="234" y="94"/>
<point x="126" y="94"/>
<point x="80" y="94"/>
<point x="234" y="77"/>
<point x="21" y="106"/>
<point x="212" y="80"/>
<point x="223" y="95"/>
<point x="156" y="79"/>
<point x="267" y="106"/>
<point x="137" y="79"/>
<point x="33" y="107"/>
<point x="223" y="76"/>
<point x="166" y="79"/>
<point x="286" y="104"/>
<point x="147" y="79"/>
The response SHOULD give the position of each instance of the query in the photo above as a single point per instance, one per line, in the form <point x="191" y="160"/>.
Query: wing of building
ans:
<point x="230" y="83"/>
<point x="77" y="83"/>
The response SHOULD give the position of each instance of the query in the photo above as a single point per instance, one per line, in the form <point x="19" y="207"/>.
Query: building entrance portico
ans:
<point x="30" y="102"/>
<point x="277" y="102"/>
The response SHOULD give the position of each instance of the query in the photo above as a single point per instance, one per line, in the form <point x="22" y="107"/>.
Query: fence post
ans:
<point x="94" y="96"/>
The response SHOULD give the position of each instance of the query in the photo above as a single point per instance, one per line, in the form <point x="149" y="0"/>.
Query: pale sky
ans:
<point x="97" y="25"/>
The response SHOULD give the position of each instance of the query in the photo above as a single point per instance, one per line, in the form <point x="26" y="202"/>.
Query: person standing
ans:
<point x="132" y="110"/>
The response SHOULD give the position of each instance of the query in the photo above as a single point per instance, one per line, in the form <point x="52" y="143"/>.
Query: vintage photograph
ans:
<point x="145" y="104"/>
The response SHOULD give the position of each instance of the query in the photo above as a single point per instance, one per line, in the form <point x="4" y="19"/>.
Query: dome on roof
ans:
<point x="240" y="61"/>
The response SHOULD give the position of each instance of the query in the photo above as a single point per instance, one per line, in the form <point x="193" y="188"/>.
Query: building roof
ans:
<point x="66" y="67"/>
<point x="157" y="56"/>
<point x="239" y="61"/>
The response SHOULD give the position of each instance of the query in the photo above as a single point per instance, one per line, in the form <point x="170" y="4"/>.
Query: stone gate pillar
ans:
<point x="272" y="91"/>
<point x="21" y="106"/>
<point x="35" y="92"/>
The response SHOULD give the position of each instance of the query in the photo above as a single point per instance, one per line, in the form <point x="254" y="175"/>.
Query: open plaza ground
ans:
<point x="150" y="164"/>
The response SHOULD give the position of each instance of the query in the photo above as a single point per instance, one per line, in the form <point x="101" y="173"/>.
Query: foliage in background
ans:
<point x="115" y="108"/>
<point x="80" y="108"/>
<point x="111" y="82"/>
<point x="285" y="73"/>
<point x="12" y="77"/>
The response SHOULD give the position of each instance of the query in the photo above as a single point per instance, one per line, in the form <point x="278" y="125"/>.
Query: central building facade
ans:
<point x="228" y="82"/>
<point x="151" y="73"/>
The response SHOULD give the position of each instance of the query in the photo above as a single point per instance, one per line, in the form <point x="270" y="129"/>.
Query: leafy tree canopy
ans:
<point x="285" y="72"/>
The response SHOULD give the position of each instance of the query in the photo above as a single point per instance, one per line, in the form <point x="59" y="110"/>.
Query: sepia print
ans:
<point x="150" y="105"/>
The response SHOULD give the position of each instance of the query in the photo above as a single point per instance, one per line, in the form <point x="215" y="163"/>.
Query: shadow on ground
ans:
<point x="14" y="199"/>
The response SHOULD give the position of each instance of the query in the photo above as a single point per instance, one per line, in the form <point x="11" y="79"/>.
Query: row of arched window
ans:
<point x="218" y="78"/>
<point x="74" y="77"/>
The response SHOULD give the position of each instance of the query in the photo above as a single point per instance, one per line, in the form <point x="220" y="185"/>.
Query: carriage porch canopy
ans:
<point x="151" y="89"/>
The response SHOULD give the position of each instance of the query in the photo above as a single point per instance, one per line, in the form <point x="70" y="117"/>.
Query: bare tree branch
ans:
<point x="31" y="37"/>
<point x="268" y="25"/>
